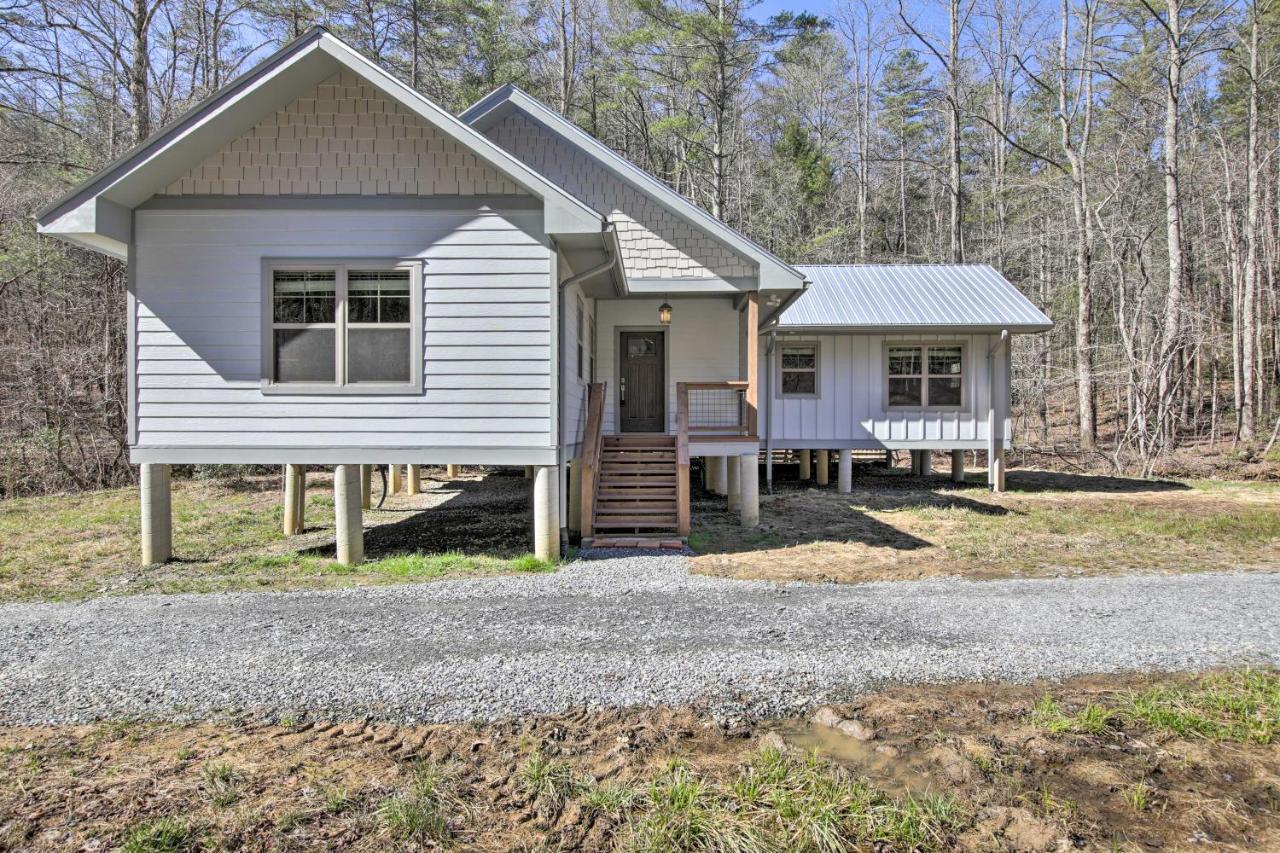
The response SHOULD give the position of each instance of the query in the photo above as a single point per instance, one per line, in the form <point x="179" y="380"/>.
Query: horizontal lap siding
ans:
<point x="487" y="330"/>
<point x="850" y="404"/>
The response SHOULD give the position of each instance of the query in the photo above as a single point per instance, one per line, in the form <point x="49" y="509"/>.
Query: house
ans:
<point x="325" y="268"/>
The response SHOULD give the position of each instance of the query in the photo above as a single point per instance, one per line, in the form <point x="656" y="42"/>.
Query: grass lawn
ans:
<point x="894" y="526"/>
<point x="1104" y="762"/>
<point x="227" y="536"/>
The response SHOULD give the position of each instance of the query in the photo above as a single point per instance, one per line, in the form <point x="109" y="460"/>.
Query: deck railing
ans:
<point x="709" y="410"/>
<point x="592" y="441"/>
<point x="718" y="408"/>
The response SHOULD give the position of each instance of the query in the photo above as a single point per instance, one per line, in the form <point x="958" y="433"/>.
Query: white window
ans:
<point x="924" y="376"/>
<point x="798" y="370"/>
<point x="345" y="328"/>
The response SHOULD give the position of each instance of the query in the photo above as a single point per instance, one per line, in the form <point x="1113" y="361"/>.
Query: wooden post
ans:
<point x="733" y="488"/>
<point x="957" y="466"/>
<point x="844" y="474"/>
<point x="347" y="488"/>
<point x="366" y="486"/>
<point x="575" y="494"/>
<point x="805" y="465"/>
<point x="455" y="471"/>
<point x="996" y="474"/>
<point x="926" y="463"/>
<point x="749" y="488"/>
<point x="888" y="459"/>
<point x="157" y="514"/>
<point x="824" y="467"/>
<point x="528" y="472"/>
<point x="753" y="359"/>
<point x="397" y="481"/>
<point x="295" y="499"/>
<point x="413" y="480"/>
<point x="546" y="512"/>
<point x="683" y="522"/>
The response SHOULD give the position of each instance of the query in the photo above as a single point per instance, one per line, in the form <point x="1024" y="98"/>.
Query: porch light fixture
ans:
<point x="664" y="313"/>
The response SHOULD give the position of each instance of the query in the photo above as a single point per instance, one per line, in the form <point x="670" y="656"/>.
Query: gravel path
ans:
<point x="618" y="631"/>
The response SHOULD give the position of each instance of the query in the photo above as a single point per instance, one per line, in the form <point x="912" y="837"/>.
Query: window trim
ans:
<point x="817" y="370"/>
<point x="340" y="387"/>
<point x="925" y="376"/>
<point x="591" y="347"/>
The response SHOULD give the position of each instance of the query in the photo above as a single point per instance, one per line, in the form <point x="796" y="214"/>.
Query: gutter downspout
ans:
<point x="768" y="410"/>
<point x="995" y="434"/>
<point x="591" y="272"/>
<point x="609" y="263"/>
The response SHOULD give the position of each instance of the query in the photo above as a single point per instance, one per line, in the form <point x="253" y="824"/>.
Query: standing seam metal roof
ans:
<point x="925" y="295"/>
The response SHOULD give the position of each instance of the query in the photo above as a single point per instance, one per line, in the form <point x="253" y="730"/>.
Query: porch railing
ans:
<point x="709" y="410"/>
<point x="718" y="408"/>
<point x="592" y="440"/>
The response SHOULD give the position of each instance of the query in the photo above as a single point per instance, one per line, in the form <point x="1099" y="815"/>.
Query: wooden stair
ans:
<point x="636" y="490"/>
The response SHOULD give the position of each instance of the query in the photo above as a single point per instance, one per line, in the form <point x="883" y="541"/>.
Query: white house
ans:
<point x="325" y="268"/>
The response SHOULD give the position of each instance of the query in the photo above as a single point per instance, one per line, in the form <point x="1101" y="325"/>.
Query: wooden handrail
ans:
<point x="683" y="498"/>
<point x="592" y="440"/>
<point x="734" y="384"/>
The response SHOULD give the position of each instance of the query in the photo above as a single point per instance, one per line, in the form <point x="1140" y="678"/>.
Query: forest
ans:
<point x="1116" y="159"/>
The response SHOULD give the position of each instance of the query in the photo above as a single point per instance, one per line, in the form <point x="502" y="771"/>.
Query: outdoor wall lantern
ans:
<point x="664" y="313"/>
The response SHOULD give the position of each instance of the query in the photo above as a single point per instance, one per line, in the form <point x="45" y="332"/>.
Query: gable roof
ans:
<point x="96" y="212"/>
<point x="774" y="272"/>
<point x="912" y="297"/>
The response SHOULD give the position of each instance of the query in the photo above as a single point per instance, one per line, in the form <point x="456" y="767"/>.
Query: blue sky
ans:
<point x="769" y="8"/>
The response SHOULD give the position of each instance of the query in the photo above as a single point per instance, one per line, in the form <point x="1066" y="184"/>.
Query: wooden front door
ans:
<point x="642" y="382"/>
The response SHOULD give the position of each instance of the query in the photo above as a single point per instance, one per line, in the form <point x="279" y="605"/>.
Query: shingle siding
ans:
<point x="343" y="138"/>
<point x="655" y="243"/>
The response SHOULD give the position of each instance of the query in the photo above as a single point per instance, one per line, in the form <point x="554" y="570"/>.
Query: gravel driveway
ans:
<point x="619" y="631"/>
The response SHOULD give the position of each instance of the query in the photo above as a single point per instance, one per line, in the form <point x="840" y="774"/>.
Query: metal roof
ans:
<point x="922" y="296"/>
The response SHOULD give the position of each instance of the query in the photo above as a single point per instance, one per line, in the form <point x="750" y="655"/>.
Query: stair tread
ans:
<point x="636" y="510"/>
<point x="635" y="524"/>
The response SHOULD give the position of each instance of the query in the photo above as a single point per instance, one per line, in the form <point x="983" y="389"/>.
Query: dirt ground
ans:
<point x="1115" y="763"/>
<point x="1048" y="524"/>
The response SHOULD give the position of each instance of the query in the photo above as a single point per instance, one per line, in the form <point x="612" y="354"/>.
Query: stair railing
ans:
<point x="682" y="459"/>
<point x="592" y="440"/>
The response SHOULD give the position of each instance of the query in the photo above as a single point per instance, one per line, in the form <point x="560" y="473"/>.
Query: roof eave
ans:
<point x="917" y="329"/>
<point x="95" y="213"/>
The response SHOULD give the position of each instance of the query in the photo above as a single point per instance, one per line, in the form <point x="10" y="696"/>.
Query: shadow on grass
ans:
<point x="486" y="517"/>
<point x="717" y="530"/>
<point x="1059" y="481"/>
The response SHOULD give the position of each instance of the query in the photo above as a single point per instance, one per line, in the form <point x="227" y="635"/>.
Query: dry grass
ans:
<point x="894" y="526"/>
<point x="227" y="536"/>
<point x="955" y="767"/>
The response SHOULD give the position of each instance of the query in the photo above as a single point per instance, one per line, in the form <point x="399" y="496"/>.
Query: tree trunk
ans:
<point x="1249" y="298"/>
<point x="140" y="71"/>
<point x="953" y="135"/>
<point x="1172" y="336"/>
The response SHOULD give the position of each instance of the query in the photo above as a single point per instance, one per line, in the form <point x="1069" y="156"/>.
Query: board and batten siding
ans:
<point x="488" y="321"/>
<point x="849" y="409"/>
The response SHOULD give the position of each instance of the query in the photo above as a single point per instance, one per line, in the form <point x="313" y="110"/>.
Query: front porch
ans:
<point x="630" y="484"/>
